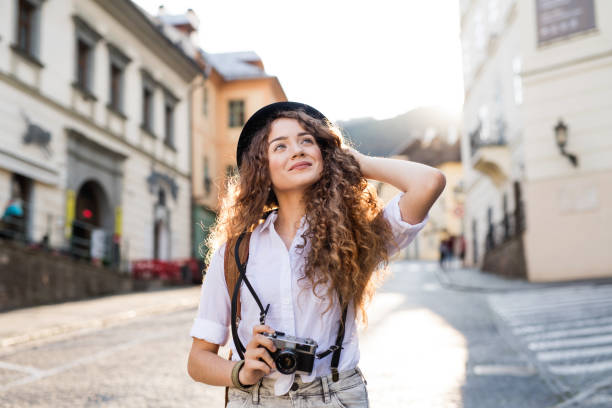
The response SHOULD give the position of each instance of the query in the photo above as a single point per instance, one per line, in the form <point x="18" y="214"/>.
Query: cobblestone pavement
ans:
<point x="567" y="332"/>
<point x="140" y="364"/>
<point x="428" y="344"/>
<point x="448" y="346"/>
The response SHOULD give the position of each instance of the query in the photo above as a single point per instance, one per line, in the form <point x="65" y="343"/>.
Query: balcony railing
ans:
<point x="86" y="242"/>
<point x="495" y="138"/>
<point x="91" y="242"/>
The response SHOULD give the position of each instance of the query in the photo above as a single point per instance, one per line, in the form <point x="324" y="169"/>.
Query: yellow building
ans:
<point x="235" y="87"/>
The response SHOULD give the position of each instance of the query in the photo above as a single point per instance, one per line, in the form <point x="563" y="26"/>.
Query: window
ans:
<point x="169" y="122"/>
<point x="170" y="102"/>
<point x="83" y="65"/>
<point x="506" y="218"/>
<point x="490" y="238"/>
<point x="147" y="109"/>
<point x="479" y="37"/>
<point x="25" y="26"/>
<point x="230" y="170"/>
<point x="118" y="63"/>
<point x="148" y="92"/>
<point x="517" y="83"/>
<point x="27" y="29"/>
<point x="86" y="39"/>
<point x="115" y="87"/>
<point x="483" y="116"/>
<point x="236" y="113"/>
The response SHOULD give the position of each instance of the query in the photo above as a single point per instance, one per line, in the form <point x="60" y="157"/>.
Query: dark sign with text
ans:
<point x="561" y="18"/>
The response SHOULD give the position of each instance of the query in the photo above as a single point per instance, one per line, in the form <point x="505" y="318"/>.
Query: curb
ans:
<point x="448" y="282"/>
<point x="97" y="323"/>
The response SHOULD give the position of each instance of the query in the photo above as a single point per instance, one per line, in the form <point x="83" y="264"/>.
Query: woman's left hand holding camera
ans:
<point x="257" y="360"/>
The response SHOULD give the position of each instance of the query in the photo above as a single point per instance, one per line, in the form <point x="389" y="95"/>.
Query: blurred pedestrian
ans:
<point x="13" y="208"/>
<point x="462" y="248"/>
<point x="442" y="251"/>
<point x="13" y="215"/>
<point x="445" y="249"/>
<point x="311" y="260"/>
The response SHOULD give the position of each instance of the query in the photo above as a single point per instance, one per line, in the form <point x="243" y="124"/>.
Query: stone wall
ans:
<point x="508" y="259"/>
<point x="30" y="277"/>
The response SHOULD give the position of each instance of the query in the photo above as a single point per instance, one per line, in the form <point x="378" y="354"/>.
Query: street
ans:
<point x="425" y="346"/>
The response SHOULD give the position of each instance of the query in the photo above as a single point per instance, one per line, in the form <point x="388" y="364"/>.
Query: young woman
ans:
<point x="315" y="259"/>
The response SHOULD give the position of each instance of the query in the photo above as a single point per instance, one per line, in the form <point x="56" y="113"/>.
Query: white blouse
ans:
<point x="274" y="273"/>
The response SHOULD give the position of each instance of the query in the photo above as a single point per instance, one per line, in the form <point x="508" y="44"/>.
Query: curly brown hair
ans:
<point x="348" y="235"/>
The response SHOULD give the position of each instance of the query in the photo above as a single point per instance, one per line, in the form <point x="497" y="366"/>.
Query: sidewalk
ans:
<point x="475" y="280"/>
<point x="563" y="328"/>
<point x="43" y="322"/>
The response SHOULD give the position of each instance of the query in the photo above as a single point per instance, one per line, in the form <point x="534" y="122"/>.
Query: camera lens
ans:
<point x="286" y="361"/>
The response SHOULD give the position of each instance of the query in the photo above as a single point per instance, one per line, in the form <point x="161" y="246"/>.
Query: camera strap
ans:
<point x="236" y="295"/>
<point x="336" y="349"/>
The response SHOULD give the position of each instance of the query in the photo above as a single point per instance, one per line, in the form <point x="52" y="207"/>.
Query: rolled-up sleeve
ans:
<point x="403" y="232"/>
<point x="212" y="321"/>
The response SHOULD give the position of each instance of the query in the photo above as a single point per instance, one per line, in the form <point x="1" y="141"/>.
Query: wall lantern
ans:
<point x="561" y="137"/>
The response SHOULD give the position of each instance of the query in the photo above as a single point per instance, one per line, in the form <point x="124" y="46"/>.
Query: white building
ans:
<point x="530" y="65"/>
<point x="94" y="128"/>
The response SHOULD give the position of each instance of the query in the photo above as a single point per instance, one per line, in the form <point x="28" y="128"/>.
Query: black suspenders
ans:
<point x="336" y="349"/>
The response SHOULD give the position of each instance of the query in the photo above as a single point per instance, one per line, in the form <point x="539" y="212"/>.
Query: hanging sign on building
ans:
<point x="118" y="221"/>
<point x="70" y="212"/>
<point x="561" y="18"/>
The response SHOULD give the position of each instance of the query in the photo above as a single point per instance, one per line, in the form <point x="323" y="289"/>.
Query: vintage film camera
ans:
<point x="293" y="354"/>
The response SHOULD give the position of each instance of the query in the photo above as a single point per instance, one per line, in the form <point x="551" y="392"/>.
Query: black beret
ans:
<point x="260" y="118"/>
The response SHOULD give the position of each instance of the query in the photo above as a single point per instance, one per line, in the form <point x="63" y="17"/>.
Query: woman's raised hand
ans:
<point x="257" y="359"/>
<point x="361" y="158"/>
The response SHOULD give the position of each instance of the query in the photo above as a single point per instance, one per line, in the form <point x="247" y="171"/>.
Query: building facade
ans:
<point x="534" y="72"/>
<point x="94" y="124"/>
<point x="231" y="87"/>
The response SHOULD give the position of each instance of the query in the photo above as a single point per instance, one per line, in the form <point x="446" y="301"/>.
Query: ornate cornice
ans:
<point x="134" y="20"/>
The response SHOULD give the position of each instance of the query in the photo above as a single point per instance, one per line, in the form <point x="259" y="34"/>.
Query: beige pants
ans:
<point x="348" y="392"/>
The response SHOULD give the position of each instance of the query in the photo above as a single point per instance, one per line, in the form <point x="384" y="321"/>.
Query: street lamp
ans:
<point x="561" y="138"/>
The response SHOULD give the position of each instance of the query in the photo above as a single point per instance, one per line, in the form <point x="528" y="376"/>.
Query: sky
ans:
<point x="348" y="59"/>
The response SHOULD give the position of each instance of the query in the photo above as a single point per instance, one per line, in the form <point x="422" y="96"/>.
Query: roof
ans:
<point x="236" y="65"/>
<point x="188" y="18"/>
<point x="434" y="153"/>
<point x="178" y="19"/>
